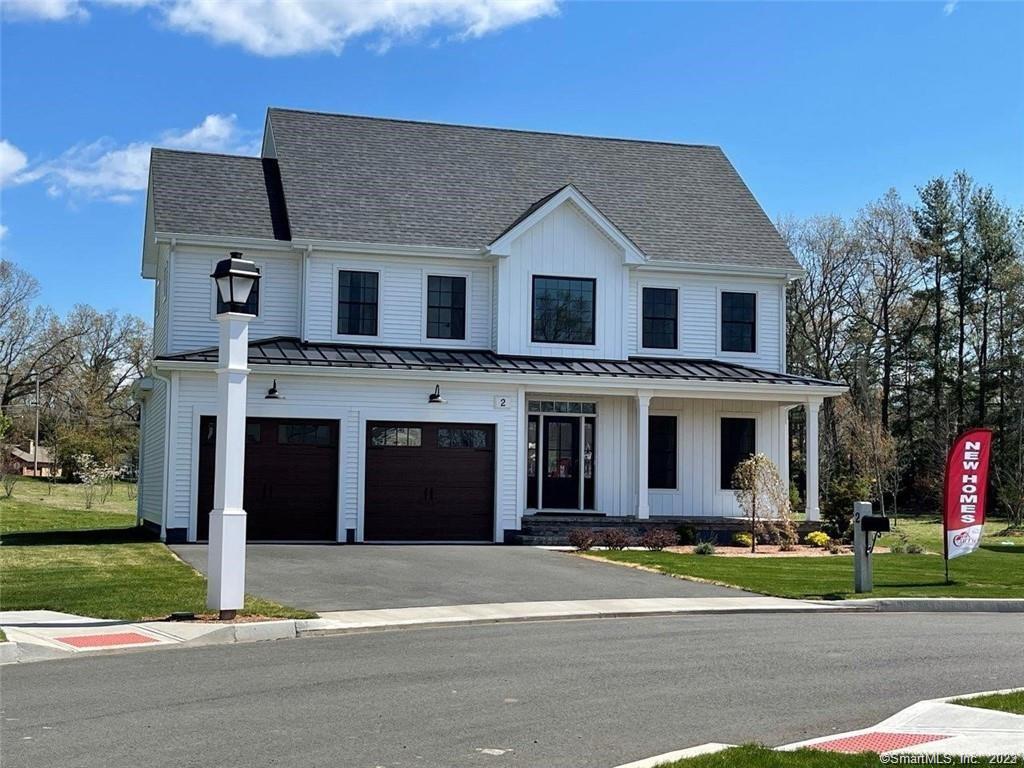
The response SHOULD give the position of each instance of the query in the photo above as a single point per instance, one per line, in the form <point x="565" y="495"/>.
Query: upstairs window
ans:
<point x="357" y="303"/>
<point x="660" y="313"/>
<point x="446" y="307"/>
<point x="563" y="310"/>
<point x="739" y="321"/>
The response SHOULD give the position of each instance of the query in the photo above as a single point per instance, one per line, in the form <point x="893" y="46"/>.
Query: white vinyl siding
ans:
<point x="402" y="298"/>
<point x="151" y="453"/>
<point x="563" y="244"/>
<point x="193" y="323"/>
<point x="700" y="317"/>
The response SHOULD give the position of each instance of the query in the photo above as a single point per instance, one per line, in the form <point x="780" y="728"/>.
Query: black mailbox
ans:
<point x="874" y="524"/>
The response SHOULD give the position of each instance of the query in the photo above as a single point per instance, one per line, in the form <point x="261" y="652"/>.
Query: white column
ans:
<point x="811" y="455"/>
<point x="643" y="414"/>
<point x="226" y="586"/>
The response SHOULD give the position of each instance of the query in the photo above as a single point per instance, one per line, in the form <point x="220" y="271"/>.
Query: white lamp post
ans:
<point x="235" y="279"/>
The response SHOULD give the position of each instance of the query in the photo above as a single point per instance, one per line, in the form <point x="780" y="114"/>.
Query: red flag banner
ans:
<point x="966" y="485"/>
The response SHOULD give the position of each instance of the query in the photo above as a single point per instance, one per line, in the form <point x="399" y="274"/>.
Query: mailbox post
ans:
<point x="866" y="528"/>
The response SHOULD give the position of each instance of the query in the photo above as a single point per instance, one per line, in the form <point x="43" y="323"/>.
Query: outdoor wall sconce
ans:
<point x="435" y="396"/>
<point x="272" y="393"/>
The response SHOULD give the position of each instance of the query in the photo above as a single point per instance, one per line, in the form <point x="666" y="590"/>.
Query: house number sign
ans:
<point x="502" y="401"/>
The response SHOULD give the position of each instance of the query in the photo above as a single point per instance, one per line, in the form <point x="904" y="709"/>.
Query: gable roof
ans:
<point x="375" y="180"/>
<point x="197" y="193"/>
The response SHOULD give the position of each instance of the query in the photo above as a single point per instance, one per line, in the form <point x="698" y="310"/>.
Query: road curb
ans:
<point x="703" y="749"/>
<point x="943" y="604"/>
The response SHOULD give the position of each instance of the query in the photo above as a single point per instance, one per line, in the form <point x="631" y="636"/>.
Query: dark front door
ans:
<point x="560" y="454"/>
<point x="291" y="479"/>
<point x="429" y="482"/>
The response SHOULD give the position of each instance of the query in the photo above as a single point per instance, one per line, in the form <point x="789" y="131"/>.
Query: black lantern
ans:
<point x="235" y="277"/>
<point x="435" y="396"/>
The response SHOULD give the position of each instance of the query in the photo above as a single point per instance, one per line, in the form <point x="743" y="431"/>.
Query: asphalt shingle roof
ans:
<point x="289" y="351"/>
<point x="399" y="182"/>
<point x="196" y="193"/>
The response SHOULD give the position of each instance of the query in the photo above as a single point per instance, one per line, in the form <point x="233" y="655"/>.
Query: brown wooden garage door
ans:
<point x="429" y="482"/>
<point x="291" y="479"/>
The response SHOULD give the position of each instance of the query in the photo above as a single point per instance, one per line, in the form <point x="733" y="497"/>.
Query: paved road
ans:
<point x="322" y="577"/>
<point x="574" y="693"/>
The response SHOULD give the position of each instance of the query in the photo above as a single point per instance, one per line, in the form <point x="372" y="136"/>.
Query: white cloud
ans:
<point x="43" y="10"/>
<point x="287" y="27"/>
<point x="12" y="161"/>
<point x="103" y="169"/>
<point x="3" y="231"/>
<point x="949" y="7"/>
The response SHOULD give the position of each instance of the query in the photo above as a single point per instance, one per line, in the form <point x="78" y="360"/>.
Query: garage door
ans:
<point x="429" y="482"/>
<point x="291" y="479"/>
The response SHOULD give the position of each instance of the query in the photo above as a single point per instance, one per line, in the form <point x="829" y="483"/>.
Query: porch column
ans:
<point x="811" y="456"/>
<point x="643" y="412"/>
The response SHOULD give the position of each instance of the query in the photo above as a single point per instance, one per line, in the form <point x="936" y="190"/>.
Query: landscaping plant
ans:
<point x="581" y="538"/>
<point x="615" y="538"/>
<point x="818" y="539"/>
<point x="705" y="547"/>
<point x="657" y="539"/>
<point x="764" y="498"/>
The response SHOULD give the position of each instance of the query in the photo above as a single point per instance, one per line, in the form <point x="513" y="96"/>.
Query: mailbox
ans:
<point x="874" y="524"/>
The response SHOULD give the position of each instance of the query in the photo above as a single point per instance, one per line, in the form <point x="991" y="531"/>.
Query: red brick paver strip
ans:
<point x="115" y="638"/>
<point x="876" y="741"/>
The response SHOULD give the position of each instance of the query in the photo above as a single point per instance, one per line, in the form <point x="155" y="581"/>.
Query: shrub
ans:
<point x="904" y="547"/>
<point x="741" y="539"/>
<point x="687" y="534"/>
<point x="615" y="538"/>
<point x="704" y="548"/>
<point x="763" y="497"/>
<point x="657" y="539"/>
<point x="581" y="538"/>
<point x="914" y="549"/>
<point x="837" y="509"/>
<point x="10" y="474"/>
<point x="818" y="539"/>
<point x="835" y="547"/>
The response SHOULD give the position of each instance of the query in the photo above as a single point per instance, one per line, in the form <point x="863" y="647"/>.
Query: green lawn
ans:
<point x="1004" y="702"/>
<point x="994" y="571"/>
<point x="751" y="756"/>
<point x="119" y="498"/>
<point x="97" y="563"/>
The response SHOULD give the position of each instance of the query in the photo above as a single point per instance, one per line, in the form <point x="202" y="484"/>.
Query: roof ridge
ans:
<point x="410" y="121"/>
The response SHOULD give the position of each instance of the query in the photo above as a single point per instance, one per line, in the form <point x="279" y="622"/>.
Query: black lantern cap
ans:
<point x="235" y="278"/>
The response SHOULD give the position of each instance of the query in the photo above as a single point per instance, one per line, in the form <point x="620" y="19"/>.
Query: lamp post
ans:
<point x="235" y="278"/>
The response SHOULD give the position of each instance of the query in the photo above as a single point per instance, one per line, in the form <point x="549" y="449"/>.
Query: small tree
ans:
<point x="764" y="497"/>
<point x="92" y="474"/>
<point x="9" y="476"/>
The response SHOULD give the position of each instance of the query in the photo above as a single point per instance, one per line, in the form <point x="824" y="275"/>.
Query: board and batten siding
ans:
<point x="352" y="401"/>
<point x="402" y="310"/>
<point x="698" y="461"/>
<point x="151" y="454"/>
<point x="700" y="319"/>
<point x="193" y="323"/>
<point x="562" y="244"/>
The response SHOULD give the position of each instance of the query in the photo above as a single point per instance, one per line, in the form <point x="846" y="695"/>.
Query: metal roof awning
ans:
<point x="292" y="352"/>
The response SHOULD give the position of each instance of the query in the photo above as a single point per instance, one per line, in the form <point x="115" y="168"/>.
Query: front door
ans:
<point x="561" y="483"/>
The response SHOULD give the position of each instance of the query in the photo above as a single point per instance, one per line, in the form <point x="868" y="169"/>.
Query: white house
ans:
<point x="600" y="322"/>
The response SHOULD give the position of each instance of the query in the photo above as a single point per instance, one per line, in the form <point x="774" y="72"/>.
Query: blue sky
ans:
<point x="821" y="106"/>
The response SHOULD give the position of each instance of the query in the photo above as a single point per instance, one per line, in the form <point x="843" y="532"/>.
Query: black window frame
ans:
<point x="752" y="323"/>
<point x="593" y="311"/>
<point x="644" y="317"/>
<point x="453" y="308"/>
<point x="359" y="303"/>
<point x="737" y="455"/>
<point x="662" y="461"/>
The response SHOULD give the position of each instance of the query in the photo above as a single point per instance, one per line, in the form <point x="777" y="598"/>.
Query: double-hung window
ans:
<point x="739" y="321"/>
<point x="738" y="444"/>
<point x="563" y="310"/>
<point x="661" y="452"/>
<point x="358" y="296"/>
<point x="660" y="315"/>
<point x="446" y="307"/>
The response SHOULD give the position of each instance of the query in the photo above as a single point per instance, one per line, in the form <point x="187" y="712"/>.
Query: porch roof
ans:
<point x="290" y="351"/>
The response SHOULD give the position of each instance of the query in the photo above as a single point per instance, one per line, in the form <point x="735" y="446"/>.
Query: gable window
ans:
<point x="738" y="444"/>
<point x="739" y="316"/>
<point x="446" y="307"/>
<point x="357" y="303"/>
<point x="563" y="310"/>
<point x="660" y="312"/>
<point x="251" y="306"/>
<point x="661" y="452"/>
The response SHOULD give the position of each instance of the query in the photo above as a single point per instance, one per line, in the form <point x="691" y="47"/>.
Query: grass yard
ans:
<point x="994" y="571"/>
<point x="1005" y="702"/>
<point x="751" y="756"/>
<point x="119" y="498"/>
<point x="97" y="563"/>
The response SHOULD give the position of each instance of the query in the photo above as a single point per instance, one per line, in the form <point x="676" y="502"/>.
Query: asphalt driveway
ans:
<point x="323" y="577"/>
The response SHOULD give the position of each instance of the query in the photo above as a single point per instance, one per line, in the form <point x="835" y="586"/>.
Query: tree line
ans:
<point x="85" y="362"/>
<point x="918" y="306"/>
